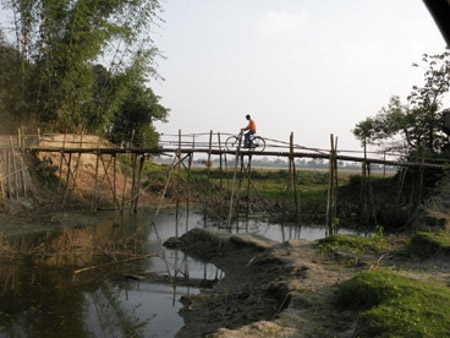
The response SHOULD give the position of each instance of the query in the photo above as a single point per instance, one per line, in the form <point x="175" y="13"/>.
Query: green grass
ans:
<point x="352" y="243"/>
<point x="272" y="186"/>
<point x="430" y="243"/>
<point x="396" y="306"/>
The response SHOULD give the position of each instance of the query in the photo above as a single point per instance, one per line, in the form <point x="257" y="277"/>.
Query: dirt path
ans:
<point x="270" y="289"/>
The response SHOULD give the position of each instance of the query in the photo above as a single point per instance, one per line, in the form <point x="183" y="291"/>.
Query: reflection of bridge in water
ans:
<point x="67" y="150"/>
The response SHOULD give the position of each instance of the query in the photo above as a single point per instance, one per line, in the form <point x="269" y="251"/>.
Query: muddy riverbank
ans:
<point x="288" y="289"/>
<point x="264" y="283"/>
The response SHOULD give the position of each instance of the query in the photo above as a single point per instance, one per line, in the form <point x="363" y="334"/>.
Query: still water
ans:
<point x="88" y="280"/>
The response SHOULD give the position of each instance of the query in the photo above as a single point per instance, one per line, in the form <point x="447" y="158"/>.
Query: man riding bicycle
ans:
<point x="251" y="129"/>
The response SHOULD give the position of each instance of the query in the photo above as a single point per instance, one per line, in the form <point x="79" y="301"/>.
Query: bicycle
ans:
<point x="255" y="143"/>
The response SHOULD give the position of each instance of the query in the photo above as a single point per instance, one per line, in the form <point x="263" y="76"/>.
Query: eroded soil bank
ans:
<point x="270" y="289"/>
<point x="288" y="289"/>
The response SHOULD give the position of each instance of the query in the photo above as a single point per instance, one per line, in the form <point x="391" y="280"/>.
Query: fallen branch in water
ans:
<point x="93" y="267"/>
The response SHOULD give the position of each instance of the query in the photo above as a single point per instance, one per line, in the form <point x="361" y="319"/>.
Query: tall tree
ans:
<point x="64" y="38"/>
<point x="11" y="95"/>
<point x="419" y="123"/>
<point x="138" y="112"/>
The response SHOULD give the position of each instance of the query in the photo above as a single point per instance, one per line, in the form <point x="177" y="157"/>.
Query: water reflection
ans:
<point x="118" y="289"/>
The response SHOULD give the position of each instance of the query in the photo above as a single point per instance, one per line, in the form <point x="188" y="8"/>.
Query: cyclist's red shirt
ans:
<point x="251" y="125"/>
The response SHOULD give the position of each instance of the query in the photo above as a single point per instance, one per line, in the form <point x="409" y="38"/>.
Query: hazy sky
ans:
<point x="311" y="67"/>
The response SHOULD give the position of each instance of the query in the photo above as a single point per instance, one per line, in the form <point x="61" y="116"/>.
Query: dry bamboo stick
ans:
<point x="75" y="272"/>
<point x="13" y="173"/>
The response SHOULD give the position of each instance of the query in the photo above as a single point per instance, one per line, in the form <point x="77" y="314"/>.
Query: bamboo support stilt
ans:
<point x="14" y="168"/>
<point x="67" y="179"/>
<point x="238" y="151"/>
<point x="61" y="161"/>
<point x="138" y="183"/>
<point x="249" y="181"/>
<point x="296" y="189"/>
<point x="133" y="179"/>
<point x="8" y="171"/>
<point x="116" y="201"/>
<point x="97" y="164"/>
<point x="191" y="158"/>
<point x="178" y="174"/>
<point x="208" y="164"/>
<point x="332" y="187"/>
<point x="79" y="159"/>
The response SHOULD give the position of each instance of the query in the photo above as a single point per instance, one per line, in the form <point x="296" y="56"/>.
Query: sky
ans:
<point x="308" y="67"/>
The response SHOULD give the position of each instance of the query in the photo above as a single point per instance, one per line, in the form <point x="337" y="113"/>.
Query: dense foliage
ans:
<point x="80" y="62"/>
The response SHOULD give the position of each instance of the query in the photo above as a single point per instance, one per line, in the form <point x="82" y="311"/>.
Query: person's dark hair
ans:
<point x="247" y="117"/>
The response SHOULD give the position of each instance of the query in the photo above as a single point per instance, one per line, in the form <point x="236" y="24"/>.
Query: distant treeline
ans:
<point x="281" y="163"/>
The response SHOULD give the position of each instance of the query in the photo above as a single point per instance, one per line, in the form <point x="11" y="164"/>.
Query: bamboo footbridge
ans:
<point x="198" y="143"/>
<point x="15" y="180"/>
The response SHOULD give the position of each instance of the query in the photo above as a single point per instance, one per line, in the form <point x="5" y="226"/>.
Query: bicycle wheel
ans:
<point x="258" y="143"/>
<point x="232" y="143"/>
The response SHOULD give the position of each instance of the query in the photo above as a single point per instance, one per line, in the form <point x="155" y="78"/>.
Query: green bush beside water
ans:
<point x="393" y="305"/>
<point x="352" y="243"/>
<point x="431" y="243"/>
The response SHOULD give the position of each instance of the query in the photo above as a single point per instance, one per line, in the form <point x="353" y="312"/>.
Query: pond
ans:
<point x="109" y="275"/>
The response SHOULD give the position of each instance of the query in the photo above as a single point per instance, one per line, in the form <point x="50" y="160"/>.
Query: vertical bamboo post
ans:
<point x="372" y="197"/>
<point x="8" y="171"/>
<point x="295" y="181"/>
<point x="67" y="178"/>
<point x="178" y="175"/>
<point x="133" y="179"/>
<point x="209" y="172"/>
<point x="115" y="182"/>
<point x="22" y="175"/>
<point x="2" y="190"/>
<point x="124" y="187"/>
<point x="241" y="177"/>
<point x="336" y="177"/>
<point x="75" y="173"/>
<point x="420" y="183"/>
<point x="191" y="157"/>
<point x="220" y="171"/>
<point x="97" y="162"/>
<point x="39" y="136"/>
<point x="19" y="138"/>
<point x="138" y="183"/>
<point x="249" y="182"/>
<point x="238" y="151"/>
<point x="329" y="216"/>
<point x="289" y="186"/>
<point x="364" y="183"/>
<point x="2" y="187"/>
<point x="14" y="168"/>
<point x="61" y="161"/>
<point x="291" y="159"/>
<point x="220" y="162"/>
